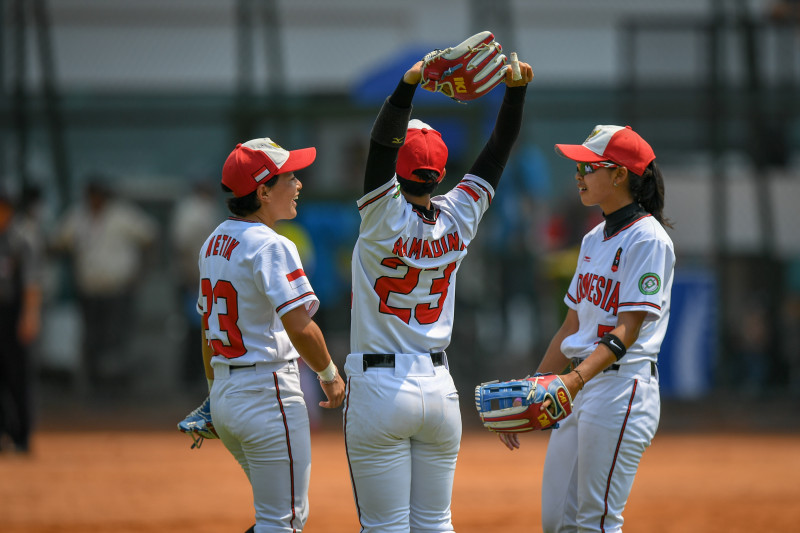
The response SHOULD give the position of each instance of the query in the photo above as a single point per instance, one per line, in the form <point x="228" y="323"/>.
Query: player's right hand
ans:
<point x="525" y="70"/>
<point x="511" y="440"/>
<point x="334" y="391"/>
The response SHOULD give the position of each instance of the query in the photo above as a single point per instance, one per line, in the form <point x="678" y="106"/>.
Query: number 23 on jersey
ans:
<point x="414" y="279"/>
<point x="223" y="294"/>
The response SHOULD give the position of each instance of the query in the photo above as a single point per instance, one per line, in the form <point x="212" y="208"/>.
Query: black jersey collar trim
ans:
<point x="427" y="215"/>
<point x="622" y="218"/>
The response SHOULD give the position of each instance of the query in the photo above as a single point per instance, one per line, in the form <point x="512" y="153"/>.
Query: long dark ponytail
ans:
<point x="648" y="190"/>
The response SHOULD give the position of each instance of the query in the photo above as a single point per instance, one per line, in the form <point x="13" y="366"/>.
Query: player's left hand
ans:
<point x="414" y="74"/>
<point x="511" y="440"/>
<point x="334" y="391"/>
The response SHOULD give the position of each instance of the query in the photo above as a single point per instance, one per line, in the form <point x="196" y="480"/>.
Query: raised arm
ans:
<point x="492" y="160"/>
<point x="389" y="130"/>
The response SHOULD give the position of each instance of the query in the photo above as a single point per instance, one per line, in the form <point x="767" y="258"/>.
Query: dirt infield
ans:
<point x="126" y="481"/>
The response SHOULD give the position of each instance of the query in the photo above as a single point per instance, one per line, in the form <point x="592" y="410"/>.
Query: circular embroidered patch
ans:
<point x="649" y="284"/>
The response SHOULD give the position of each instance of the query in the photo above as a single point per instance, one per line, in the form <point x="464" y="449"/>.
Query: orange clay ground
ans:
<point x="92" y="480"/>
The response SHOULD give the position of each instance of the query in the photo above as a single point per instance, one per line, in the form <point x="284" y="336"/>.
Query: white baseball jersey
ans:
<point x="630" y="270"/>
<point x="404" y="267"/>
<point x="249" y="277"/>
<point x="616" y="414"/>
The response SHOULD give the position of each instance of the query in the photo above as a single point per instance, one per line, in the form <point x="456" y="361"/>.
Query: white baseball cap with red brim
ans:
<point x="618" y="144"/>
<point x="259" y="160"/>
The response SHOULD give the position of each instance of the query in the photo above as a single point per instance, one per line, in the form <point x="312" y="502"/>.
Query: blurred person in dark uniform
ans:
<point x="106" y="239"/>
<point x="20" y="319"/>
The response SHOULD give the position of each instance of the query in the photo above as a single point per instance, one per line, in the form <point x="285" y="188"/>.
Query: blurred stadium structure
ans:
<point x="157" y="93"/>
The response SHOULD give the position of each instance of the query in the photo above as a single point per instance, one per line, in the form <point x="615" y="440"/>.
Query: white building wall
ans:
<point x="187" y="45"/>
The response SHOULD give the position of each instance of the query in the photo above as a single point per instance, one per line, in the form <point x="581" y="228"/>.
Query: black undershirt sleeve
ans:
<point x="492" y="160"/>
<point x="388" y="134"/>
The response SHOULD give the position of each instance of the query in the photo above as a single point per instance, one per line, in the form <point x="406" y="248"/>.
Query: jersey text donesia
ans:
<point x="630" y="270"/>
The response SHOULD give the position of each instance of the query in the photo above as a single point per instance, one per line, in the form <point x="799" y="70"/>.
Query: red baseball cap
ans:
<point x="622" y="146"/>
<point x="423" y="148"/>
<point x="260" y="160"/>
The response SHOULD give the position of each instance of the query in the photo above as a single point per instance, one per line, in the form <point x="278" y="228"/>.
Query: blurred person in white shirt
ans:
<point x="106" y="239"/>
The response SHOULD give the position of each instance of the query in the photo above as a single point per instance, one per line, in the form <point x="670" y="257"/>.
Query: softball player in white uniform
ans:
<point x="402" y="420"/>
<point x="257" y="304"/>
<point x="619" y="301"/>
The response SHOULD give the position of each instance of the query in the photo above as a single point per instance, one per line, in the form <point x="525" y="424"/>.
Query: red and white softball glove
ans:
<point x="467" y="71"/>
<point x="515" y="406"/>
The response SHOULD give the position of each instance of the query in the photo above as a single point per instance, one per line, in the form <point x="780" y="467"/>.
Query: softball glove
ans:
<point x="516" y="406"/>
<point x="198" y="424"/>
<point x="466" y="71"/>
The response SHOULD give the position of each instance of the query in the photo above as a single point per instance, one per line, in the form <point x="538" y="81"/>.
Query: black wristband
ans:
<point x="614" y="344"/>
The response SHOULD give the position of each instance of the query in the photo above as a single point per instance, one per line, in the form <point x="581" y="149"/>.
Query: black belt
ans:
<point x="239" y="367"/>
<point x="616" y="367"/>
<point x="386" y="360"/>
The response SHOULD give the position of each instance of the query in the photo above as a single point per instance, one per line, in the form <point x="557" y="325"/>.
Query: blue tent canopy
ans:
<point x="373" y="89"/>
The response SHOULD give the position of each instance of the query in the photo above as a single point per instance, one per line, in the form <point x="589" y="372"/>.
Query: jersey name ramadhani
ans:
<point x="421" y="248"/>
<point x="599" y="290"/>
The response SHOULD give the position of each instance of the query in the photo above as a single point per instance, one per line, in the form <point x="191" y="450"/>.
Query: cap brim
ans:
<point x="299" y="159"/>
<point x="578" y="152"/>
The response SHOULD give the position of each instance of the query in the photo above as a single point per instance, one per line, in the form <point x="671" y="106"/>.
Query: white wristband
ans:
<point x="328" y="375"/>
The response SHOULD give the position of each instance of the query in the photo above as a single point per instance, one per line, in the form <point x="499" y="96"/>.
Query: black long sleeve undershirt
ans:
<point x="492" y="160"/>
<point x="489" y="164"/>
<point x="382" y="159"/>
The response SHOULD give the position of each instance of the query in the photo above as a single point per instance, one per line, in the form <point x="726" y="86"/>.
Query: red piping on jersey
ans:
<point x="288" y="446"/>
<point x="616" y="453"/>
<point x="347" y="452"/>
<point x="476" y="184"/>
<point x="469" y="191"/>
<point x="293" y="300"/>
<point x="378" y="197"/>
<point x="626" y="227"/>
<point x="631" y="304"/>
<point x="571" y="299"/>
<point x="291" y="276"/>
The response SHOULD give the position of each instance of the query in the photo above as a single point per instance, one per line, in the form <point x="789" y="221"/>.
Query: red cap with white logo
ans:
<point x="423" y="148"/>
<point x="259" y="160"/>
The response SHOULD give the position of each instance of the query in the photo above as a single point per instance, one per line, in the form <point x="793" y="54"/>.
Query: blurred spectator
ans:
<point x="785" y="11"/>
<point x="106" y="239"/>
<point x="20" y="315"/>
<point x="791" y="325"/>
<point x="751" y="341"/>
<point x="195" y="217"/>
<point x="514" y="248"/>
<point x="31" y="217"/>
